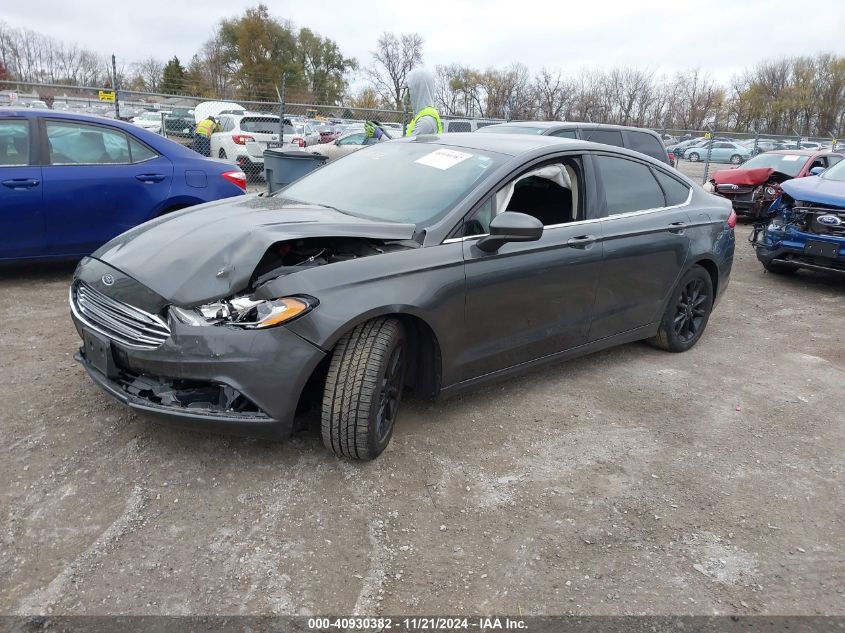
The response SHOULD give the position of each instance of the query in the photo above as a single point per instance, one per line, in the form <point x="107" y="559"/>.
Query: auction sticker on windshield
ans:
<point x="791" y="157"/>
<point x="443" y="158"/>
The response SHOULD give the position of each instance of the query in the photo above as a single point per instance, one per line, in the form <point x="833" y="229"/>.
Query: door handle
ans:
<point x="150" y="178"/>
<point x="21" y="183"/>
<point x="677" y="227"/>
<point x="582" y="241"/>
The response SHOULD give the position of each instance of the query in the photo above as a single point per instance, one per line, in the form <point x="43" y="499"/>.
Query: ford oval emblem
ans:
<point x="829" y="220"/>
<point x="108" y="280"/>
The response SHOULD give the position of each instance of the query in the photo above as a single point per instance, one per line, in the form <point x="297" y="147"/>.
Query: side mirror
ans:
<point x="817" y="171"/>
<point x="510" y="227"/>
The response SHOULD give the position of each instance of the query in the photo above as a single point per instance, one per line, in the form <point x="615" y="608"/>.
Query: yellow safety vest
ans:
<point x="205" y="127"/>
<point x="428" y="111"/>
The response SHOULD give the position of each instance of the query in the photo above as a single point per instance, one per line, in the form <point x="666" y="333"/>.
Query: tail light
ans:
<point x="731" y="220"/>
<point x="296" y="140"/>
<point x="236" y="178"/>
<point x="241" y="139"/>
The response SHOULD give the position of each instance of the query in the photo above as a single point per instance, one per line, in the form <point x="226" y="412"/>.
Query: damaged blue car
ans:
<point x="806" y="227"/>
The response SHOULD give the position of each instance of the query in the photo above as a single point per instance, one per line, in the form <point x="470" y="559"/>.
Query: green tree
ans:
<point x="260" y="49"/>
<point x="324" y="67"/>
<point x="173" y="77"/>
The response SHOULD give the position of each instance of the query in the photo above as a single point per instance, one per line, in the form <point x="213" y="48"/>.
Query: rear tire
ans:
<point x="736" y="159"/>
<point x="363" y="389"/>
<point x="780" y="269"/>
<point x="222" y="154"/>
<point x="693" y="157"/>
<point x="687" y="312"/>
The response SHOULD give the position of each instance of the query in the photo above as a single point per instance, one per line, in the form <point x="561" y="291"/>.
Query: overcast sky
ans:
<point x="718" y="36"/>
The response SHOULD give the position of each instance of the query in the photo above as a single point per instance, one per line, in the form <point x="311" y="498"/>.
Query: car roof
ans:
<point x="548" y="125"/>
<point x="517" y="144"/>
<point x="800" y="152"/>
<point x="57" y="114"/>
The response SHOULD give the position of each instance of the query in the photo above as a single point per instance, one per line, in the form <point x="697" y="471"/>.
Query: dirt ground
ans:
<point x="629" y="482"/>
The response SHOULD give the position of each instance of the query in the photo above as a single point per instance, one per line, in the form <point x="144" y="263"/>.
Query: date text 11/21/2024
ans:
<point x="417" y="624"/>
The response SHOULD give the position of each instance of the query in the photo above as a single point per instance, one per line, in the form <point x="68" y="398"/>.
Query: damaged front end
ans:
<point x="246" y="309"/>
<point x="801" y="234"/>
<point x="227" y="362"/>
<point x="751" y="191"/>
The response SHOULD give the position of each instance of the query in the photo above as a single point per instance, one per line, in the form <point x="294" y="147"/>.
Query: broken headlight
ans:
<point x="247" y="313"/>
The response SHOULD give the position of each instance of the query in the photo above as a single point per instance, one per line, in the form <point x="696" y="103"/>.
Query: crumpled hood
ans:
<point x="421" y="88"/>
<point x="747" y="177"/>
<point x="816" y="189"/>
<point x="210" y="251"/>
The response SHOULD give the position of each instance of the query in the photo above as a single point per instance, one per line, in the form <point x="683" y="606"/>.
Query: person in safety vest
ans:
<point x="202" y="135"/>
<point x="426" y="119"/>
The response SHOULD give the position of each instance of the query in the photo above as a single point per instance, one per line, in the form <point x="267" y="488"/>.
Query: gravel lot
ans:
<point x="632" y="481"/>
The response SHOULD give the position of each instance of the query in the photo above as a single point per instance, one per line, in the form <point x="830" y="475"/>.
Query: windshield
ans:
<point x="512" y="129"/>
<point x="837" y="172"/>
<point x="397" y="182"/>
<point x="789" y="164"/>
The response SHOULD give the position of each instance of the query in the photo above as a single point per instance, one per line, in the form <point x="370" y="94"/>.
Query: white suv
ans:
<point x="244" y="137"/>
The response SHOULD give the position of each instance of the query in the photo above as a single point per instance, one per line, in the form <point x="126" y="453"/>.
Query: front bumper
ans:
<point x="790" y="247"/>
<point x="263" y="372"/>
<point x="749" y="204"/>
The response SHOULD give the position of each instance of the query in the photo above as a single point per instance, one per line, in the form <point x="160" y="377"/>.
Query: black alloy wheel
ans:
<point x="687" y="312"/>
<point x="690" y="312"/>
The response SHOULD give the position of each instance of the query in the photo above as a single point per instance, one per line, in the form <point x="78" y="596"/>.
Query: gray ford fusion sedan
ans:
<point x="428" y="264"/>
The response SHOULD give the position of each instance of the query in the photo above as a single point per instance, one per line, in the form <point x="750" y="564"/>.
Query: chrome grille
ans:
<point x="123" y="323"/>
<point x="734" y="189"/>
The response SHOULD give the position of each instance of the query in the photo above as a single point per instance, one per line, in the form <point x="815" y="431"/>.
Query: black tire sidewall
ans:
<point x="691" y="159"/>
<point x="673" y="342"/>
<point x="375" y="447"/>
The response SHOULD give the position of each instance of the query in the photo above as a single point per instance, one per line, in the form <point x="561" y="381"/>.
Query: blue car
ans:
<point x="72" y="182"/>
<point x="807" y="225"/>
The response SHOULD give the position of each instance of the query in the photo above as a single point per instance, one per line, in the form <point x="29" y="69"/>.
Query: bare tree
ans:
<point x="149" y="71"/>
<point x="393" y="59"/>
<point x="550" y="89"/>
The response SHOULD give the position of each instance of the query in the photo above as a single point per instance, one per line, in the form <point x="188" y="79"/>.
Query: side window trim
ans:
<point x="31" y="141"/>
<point x="585" y="194"/>
<point x="629" y="214"/>
<point x="129" y="139"/>
<point x="47" y="160"/>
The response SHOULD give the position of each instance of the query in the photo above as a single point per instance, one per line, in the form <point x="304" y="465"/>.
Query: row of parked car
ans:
<point x="64" y="173"/>
<point x="724" y="149"/>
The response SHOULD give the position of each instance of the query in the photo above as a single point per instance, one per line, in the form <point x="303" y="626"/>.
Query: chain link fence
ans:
<point x="172" y="116"/>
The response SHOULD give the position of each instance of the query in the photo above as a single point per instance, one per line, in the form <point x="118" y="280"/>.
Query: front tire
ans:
<point x="687" y="312"/>
<point x="363" y="389"/>
<point x="693" y="157"/>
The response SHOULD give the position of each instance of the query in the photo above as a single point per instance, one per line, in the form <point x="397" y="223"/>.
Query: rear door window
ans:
<point x="628" y="185"/>
<point x="73" y="143"/>
<point x="14" y="143"/>
<point x="675" y="191"/>
<point x="646" y="144"/>
<point x="140" y="152"/>
<point x="608" y="137"/>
